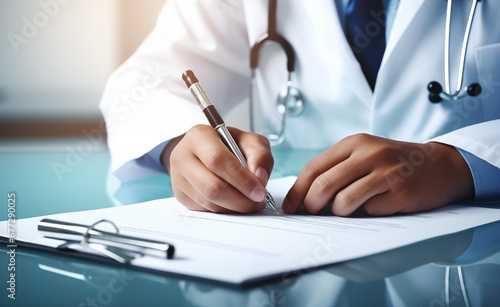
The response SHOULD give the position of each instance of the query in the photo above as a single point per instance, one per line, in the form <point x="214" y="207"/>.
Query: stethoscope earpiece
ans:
<point x="474" y="89"/>
<point x="436" y="93"/>
<point x="434" y="89"/>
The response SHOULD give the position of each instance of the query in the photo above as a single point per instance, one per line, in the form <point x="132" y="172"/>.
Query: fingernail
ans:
<point x="258" y="195"/>
<point x="286" y="206"/>
<point x="260" y="206"/>
<point x="262" y="174"/>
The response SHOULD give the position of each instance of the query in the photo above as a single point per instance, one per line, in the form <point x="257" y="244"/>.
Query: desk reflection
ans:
<point x="410" y="276"/>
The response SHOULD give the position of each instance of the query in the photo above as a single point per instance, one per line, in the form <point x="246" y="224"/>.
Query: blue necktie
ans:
<point x="365" y="30"/>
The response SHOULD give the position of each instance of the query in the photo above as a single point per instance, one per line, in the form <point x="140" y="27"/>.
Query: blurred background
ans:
<point x="55" y="57"/>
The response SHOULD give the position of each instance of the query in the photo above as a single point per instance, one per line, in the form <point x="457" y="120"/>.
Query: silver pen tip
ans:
<point x="270" y="201"/>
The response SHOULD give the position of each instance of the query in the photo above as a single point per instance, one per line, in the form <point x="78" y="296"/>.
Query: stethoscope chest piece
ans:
<point x="291" y="101"/>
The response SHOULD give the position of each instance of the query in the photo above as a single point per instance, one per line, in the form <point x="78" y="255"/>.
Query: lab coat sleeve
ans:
<point x="146" y="103"/>
<point x="483" y="141"/>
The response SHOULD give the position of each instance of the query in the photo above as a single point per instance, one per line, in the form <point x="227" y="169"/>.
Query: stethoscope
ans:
<point x="436" y="93"/>
<point x="290" y="101"/>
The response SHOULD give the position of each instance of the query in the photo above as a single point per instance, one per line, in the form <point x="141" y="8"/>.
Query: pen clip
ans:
<point x="86" y="235"/>
<point x="112" y="252"/>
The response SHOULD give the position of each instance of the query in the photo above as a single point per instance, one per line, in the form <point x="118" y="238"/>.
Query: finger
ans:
<point x="382" y="205"/>
<point x="210" y="191"/>
<point x="188" y="202"/>
<point x="358" y="193"/>
<point x="328" y="184"/>
<point x="311" y="171"/>
<point x="217" y="158"/>
<point x="257" y="151"/>
<point x="185" y="193"/>
<point x="196" y="202"/>
<point x="193" y="200"/>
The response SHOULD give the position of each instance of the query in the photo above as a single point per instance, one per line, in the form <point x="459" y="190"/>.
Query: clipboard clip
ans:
<point x="121" y="248"/>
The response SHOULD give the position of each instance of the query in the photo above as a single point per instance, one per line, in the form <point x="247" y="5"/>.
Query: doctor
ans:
<point x="388" y="149"/>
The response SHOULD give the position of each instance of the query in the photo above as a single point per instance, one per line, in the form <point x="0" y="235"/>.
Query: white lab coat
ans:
<point x="146" y="102"/>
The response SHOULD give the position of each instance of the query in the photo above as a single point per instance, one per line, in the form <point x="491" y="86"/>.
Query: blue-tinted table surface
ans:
<point x="458" y="270"/>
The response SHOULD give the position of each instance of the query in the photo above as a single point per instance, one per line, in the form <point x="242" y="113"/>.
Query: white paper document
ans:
<point x="244" y="248"/>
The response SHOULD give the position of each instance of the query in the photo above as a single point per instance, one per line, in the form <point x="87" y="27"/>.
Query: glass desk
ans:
<point x="458" y="270"/>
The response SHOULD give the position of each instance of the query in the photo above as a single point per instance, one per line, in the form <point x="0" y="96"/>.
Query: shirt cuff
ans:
<point x="154" y="156"/>
<point x="147" y="165"/>
<point x="485" y="175"/>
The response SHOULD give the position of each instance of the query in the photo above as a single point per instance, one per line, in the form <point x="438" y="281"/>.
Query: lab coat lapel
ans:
<point x="348" y="65"/>
<point x="406" y="12"/>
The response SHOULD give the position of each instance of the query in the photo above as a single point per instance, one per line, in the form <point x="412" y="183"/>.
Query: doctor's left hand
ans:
<point x="384" y="176"/>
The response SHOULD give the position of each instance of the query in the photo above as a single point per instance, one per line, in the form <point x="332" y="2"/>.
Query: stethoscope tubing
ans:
<point x="436" y="92"/>
<point x="272" y="36"/>
<point x="463" y="52"/>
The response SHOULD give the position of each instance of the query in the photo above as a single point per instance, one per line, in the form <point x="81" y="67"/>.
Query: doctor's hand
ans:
<point x="207" y="176"/>
<point x="383" y="176"/>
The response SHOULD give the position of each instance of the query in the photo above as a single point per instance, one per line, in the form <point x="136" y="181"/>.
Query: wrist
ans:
<point x="460" y="180"/>
<point x="165" y="155"/>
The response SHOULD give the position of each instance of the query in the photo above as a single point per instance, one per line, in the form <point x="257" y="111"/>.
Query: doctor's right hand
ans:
<point x="207" y="176"/>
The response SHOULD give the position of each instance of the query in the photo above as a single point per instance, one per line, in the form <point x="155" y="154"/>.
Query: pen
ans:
<point x="218" y="124"/>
